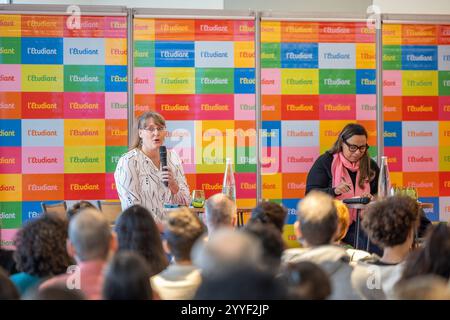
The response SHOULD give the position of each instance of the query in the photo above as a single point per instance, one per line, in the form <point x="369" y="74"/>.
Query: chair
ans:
<point x="58" y="210"/>
<point x="110" y="209"/>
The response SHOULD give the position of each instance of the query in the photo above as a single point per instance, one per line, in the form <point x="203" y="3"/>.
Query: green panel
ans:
<point x="373" y="151"/>
<point x="392" y="57"/>
<point x="270" y="55"/>
<point x="112" y="157"/>
<point x="144" y="53"/>
<point x="84" y="78"/>
<point x="10" y="50"/>
<point x="214" y="80"/>
<point x="337" y="81"/>
<point x="10" y="215"/>
<point x="444" y="83"/>
<point x="245" y="159"/>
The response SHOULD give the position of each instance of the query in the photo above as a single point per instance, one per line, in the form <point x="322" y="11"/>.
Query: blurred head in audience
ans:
<point x="270" y="212"/>
<point x="127" y="278"/>
<point x="77" y="207"/>
<point x="41" y="247"/>
<point x="55" y="292"/>
<point x="183" y="228"/>
<point x="433" y="257"/>
<point x="8" y="290"/>
<point x="241" y="283"/>
<point x="343" y="219"/>
<point x="425" y="287"/>
<point x="317" y="219"/>
<point x="220" y="212"/>
<point x="137" y="231"/>
<point x="226" y="248"/>
<point x="392" y="222"/>
<point x="271" y="243"/>
<point x="90" y="236"/>
<point x="306" y="281"/>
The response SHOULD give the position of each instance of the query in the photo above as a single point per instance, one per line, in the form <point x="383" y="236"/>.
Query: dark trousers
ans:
<point x="362" y="240"/>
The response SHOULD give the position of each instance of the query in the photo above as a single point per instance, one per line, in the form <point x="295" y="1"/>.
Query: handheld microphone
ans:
<point x="363" y="200"/>
<point x="163" y="159"/>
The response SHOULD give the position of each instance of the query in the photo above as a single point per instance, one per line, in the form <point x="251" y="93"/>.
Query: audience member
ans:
<point x="40" y="252"/>
<point x="316" y="227"/>
<point x="137" y="231"/>
<point x="77" y="207"/>
<point x="8" y="290"/>
<point x="180" y="280"/>
<point x="220" y="212"/>
<point x="127" y="278"/>
<point x="55" y="292"/>
<point x="306" y="281"/>
<point x="391" y="224"/>
<point x="270" y="212"/>
<point x="91" y="243"/>
<point x="423" y="287"/>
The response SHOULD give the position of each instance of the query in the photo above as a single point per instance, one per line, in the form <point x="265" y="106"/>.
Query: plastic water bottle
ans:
<point x="384" y="182"/>
<point x="229" y="184"/>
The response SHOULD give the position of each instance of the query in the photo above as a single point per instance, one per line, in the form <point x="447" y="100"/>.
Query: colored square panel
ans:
<point x="244" y="30"/>
<point x="112" y="156"/>
<point x="270" y="160"/>
<point x="88" y="132"/>
<point x="10" y="133"/>
<point x="272" y="186"/>
<point x="43" y="160"/>
<point x="245" y="133"/>
<point x="116" y="79"/>
<point x="444" y="108"/>
<point x="8" y="240"/>
<point x="214" y="107"/>
<point x="89" y="27"/>
<point x="392" y="34"/>
<point x="300" y="55"/>
<point x="444" y="158"/>
<point x="336" y="32"/>
<point x="444" y="183"/>
<point x="10" y="160"/>
<point x="42" y="50"/>
<point x="392" y="108"/>
<point x="143" y="103"/>
<point x="143" y="29"/>
<point x="191" y="180"/>
<point x="365" y="32"/>
<point x="10" y="105"/>
<point x="43" y="132"/>
<point x="31" y="210"/>
<point x="83" y="79"/>
<point x="291" y="206"/>
<point x="180" y="134"/>
<point x="427" y="183"/>
<point x="396" y="178"/>
<point x="244" y="107"/>
<point x="144" y="80"/>
<point x="244" y="54"/>
<point x="366" y="107"/>
<point x="187" y="157"/>
<point x="419" y="57"/>
<point x="421" y="34"/>
<point x="214" y="30"/>
<point x="270" y="55"/>
<point x="271" y="133"/>
<point x="10" y="77"/>
<point x="392" y="133"/>
<point x="36" y="187"/>
<point x="11" y="50"/>
<point x="337" y="106"/>
<point x="289" y="237"/>
<point x="175" y="54"/>
<point x="420" y="159"/>
<point x="10" y="218"/>
<point x="420" y="108"/>
<point x="443" y="34"/>
<point x="300" y="81"/>
<point x="244" y="80"/>
<point x="86" y="159"/>
<point x="420" y="83"/>
<point x="110" y="187"/>
<point x="10" y="187"/>
<point x="433" y="212"/>
<point x="115" y="27"/>
<point x="299" y="31"/>
<point x="296" y="107"/>
<point x="84" y="186"/>
<point x="420" y="133"/>
<point x="392" y="57"/>
<point x="175" y="106"/>
<point x="10" y="25"/>
<point x="246" y="185"/>
<point x="209" y="183"/>
<point x="337" y="81"/>
<point x="42" y="26"/>
<point x="175" y="80"/>
<point x="444" y="57"/>
<point x="144" y="54"/>
<point x="42" y="105"/>
<point x="366" y="81"/>
<point x="365" y="56"/>
<point x="298" y="159"/>
<point x="329" y="132"/>
<point x="271" y="107"/>
<point x="116" y="52"/>
<point x="300" y="133"/>
<point x="337" y="55"/>
<point x="395" y="158"/>
<point x="116" y="132"/>
<point x="116" y="105"/>
<point x="86" y="105"/>
<point x="208" y="54"/>
<point x="392" y="83"/>
<point x="270" y="31"/>
<point x="294" y="185"/>
<point x="444" y="133"/>
<point x="444" y="209"/>
<point x="245" y="159"/>
<point x="371" y="127"/>
<point x="271" y="81"/>
<point x="444" y="83"/>
<point x="173" y="29"/>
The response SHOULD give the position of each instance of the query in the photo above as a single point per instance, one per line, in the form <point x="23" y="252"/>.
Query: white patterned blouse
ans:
<point x="139" y="181"/>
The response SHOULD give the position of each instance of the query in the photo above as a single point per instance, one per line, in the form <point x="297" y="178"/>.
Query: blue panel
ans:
<point x="366" y="81"/>
<point x="116" y="79"/>
<point x="42" y="50"/>
<point x="393" y="133"/>
<point x="432" y="214"/>
<point x="244" y="80"/>
<point x="419" y="58"/>
<point x="291" y="205"/>
<point x="31" y="210"/>
<point x="174" y="54"/>
<point x="10" y="133"/>
<point x="299" y="55"/>
<point x="271" y="133"/>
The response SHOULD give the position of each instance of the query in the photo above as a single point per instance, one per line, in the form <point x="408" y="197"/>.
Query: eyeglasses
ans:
<point x="153" y="129"/>
<point x="354" y="147"/>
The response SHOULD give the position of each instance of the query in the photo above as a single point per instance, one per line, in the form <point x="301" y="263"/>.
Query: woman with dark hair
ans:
<point x="140" y="176"/>
<point x="346" y="171"/>
<point x="41" y="252"/>
<point x="137" y="231"/>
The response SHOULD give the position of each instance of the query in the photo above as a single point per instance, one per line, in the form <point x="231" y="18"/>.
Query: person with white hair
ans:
<point x="220" y="212"/>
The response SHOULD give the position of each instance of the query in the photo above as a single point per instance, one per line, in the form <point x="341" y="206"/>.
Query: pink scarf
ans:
<point x="340" y="174"/>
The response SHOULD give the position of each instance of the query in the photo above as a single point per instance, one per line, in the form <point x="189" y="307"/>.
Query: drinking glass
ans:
<point x="198" y="198"/>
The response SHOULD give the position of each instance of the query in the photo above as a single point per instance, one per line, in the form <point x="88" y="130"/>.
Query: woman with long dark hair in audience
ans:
<point x="137" y="231"/>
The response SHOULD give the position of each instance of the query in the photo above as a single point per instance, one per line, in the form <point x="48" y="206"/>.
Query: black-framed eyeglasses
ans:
<point x="354" y="147"/>
<point x="153" y="129"/>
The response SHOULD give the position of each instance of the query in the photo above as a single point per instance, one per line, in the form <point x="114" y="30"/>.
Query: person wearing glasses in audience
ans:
<point x="346" y="171"/>
<point x="140" y="177"/>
